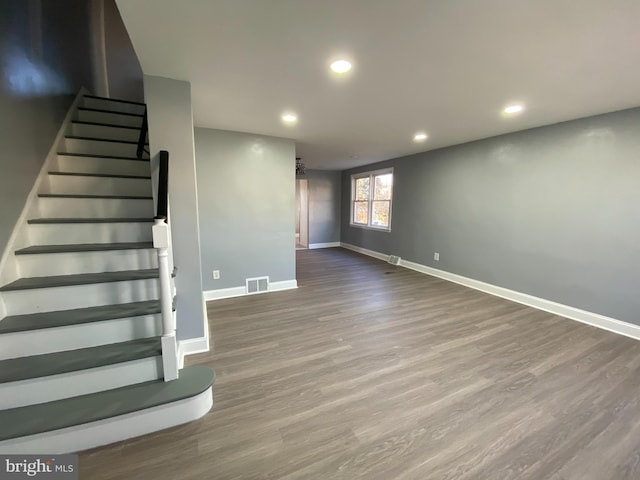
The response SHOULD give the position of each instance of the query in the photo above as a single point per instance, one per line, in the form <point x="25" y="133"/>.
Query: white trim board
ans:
<point x="191" y="346"/>
<point x="242" y="291"/>
<point x="590" y="318"/>
<point x="313" y="246"/>
<point x="364" y="251"/>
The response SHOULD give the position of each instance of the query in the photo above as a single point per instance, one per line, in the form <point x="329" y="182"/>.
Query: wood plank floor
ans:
<point x="373" y="371"/>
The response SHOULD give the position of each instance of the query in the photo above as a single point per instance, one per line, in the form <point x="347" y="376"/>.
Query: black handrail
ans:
<point x="143" y="134"/>
<point x="162" y="210"/>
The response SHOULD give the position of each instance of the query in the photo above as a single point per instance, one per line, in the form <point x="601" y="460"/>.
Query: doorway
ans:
<point x="302" y="214"/>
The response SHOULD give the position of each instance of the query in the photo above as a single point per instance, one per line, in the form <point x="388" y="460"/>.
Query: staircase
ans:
<point x="80" y="348"/>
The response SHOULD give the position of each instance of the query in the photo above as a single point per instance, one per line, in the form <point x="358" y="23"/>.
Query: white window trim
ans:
<point x="371" y="174"/>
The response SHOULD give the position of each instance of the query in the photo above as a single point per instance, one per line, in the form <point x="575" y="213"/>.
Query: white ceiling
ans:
<point x="446" y="67"/>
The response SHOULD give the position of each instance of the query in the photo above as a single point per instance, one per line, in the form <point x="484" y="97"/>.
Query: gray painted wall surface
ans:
<point x="552" y="212"/>
<point x="246" y="194"/>
<point x="324" y="205"/>
<point x="123" y="68"/>
<point x="171" y="128"/>
<point x="45" y="59"/>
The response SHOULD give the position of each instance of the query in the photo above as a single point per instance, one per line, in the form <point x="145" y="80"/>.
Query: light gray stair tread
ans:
<point x="24" y="368"/>
<point x="79" y="279"/>
<point x="90" y="220"/>
<point x="78" y="316"/>
<point x="99" y="139"/>
<point x="102" y="124"/>
<point x="83" y="247"/>
<point x="123" y="197"/>
<point x="46" y="417"/>
<point x="115" y="100"/>
<point x="89" y="109"/>
<point x="95" y="155"/>
<point x="98" y="175"/>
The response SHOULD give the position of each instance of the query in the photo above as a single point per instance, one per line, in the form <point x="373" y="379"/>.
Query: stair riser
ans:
<point x="109" y="118"/>
<point x="103" y="432"/>
<point x="83" y="382"/>
<point x="109" y="166"/>
<point x="105" y="104"/>
<point x="94" y="208"/>
<point x="99" y="147"/>
<point x="42" y="265"/>
<point x="50" y="340"/>
<point x="65" y="234"/>
<point x="76" y="185"/>
<point x="38" y="300"/>
<point x="102" y="131"/>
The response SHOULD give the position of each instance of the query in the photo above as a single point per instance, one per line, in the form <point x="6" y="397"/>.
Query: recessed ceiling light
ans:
<point x="289" y="117"/>
<point x="516" y="108"/>
<point x="341" y="66"/>
<point x="420" y="137"/>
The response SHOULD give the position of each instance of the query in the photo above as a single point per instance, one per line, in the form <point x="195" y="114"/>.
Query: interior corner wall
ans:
<point x="246" y="194"/>
<point x="171" y="128"/>
<point x="45" y="59"/>
<point x="324" y="205"/>
<point x="551" y="212"/>
<point x="124" y="74"/>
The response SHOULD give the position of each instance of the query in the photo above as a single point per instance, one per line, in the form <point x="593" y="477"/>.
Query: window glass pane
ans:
<point x="383" y="185"/>
<point x="361" y="212"/>
<point x="362" y="189"/>
<point x="380" y="217"/>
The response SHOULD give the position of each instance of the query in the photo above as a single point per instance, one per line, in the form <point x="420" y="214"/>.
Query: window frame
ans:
<point x="371" y="175"/>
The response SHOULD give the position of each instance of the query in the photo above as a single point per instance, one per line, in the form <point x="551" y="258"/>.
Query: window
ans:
<point x="371" y="199"/>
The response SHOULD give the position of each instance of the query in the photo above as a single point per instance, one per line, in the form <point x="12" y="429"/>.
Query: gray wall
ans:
<point x="246" y="195"/>
<point x="324" y="205"/>
<point x="124" y="73"/>
<point x="171" y="128"/>
<point x="552" y="212"/>
<point x="45" y="51"/>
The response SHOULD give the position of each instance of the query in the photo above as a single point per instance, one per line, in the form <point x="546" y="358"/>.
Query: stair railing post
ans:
<point x="161" y="242"/>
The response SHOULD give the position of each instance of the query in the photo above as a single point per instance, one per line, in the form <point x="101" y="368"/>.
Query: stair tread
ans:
<point x="101" y="175"/>
<point x="102" y="110"/>
<point x="116" y="100"/>
<point x="83" y="247"/>
<point x="99" y="139"/>
<point x="36" y="221"/>
<point x="124" y="197"/>
<point x="46" y="417"/>
<point x="79" y="279"/>
<point x="78" y="316"/>
<point x="102" y="124"/>
<point x="96" y="155"/>
<point x="24" y="368"/>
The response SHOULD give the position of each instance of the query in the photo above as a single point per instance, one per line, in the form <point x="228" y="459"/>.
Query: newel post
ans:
<point x="161" y="242"/>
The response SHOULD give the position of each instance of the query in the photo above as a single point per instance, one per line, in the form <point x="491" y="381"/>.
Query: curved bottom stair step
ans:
<point x="88" y="421"/>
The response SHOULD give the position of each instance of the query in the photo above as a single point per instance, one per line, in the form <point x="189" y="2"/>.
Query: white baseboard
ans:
<point x="224" y="293"/>
<point x="283" y="285"/>
<point x="192" y="346"/>
<point x="242" y="291"/>
<point x="364" y="251"/>
<point x="313" y="246"/>
<point x="573" y="313"/>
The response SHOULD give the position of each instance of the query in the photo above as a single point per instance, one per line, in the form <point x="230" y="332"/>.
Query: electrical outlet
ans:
<point x="216" y="274"/>
<point x="436" y="256"/>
